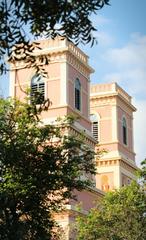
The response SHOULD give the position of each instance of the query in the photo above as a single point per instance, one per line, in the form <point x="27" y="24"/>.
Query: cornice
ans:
<point x="107" y="162"/>
<point x="128" y="166"/>
<point x="87" y="139"/>
<point x="109" y="97"/>
<point x="76" y="64"/>
<point x="70" y="52"/>
<point x="117" y="161"/>
<point x="102" y="100"/>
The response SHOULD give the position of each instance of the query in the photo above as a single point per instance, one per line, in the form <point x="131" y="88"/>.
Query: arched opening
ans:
<point x="95" y="126"/>
<point x="124" y="130"/>
<point x="78" y="94"/>
<point x="37" y="89"/>
<point x="105" y="183"/>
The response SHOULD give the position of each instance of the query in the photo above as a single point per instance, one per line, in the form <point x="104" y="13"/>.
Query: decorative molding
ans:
<point x="117" y="162"/>
<point x="79" y="66"/>
<point x="111" y="98"/>
<point x="106" y="163"/>
<point x="96" y="102"/>
<point x="63" y="83"/>
<point x="89" y="140"/>
<point x="128" y="167"/>
<point x="60" y="58"/>
<point x="62" y="50"/>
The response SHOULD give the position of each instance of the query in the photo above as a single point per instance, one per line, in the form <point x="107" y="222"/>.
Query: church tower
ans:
<point x="112" y="125"/>
<point x="108" y="107"/>
<point x="67" y="84"/>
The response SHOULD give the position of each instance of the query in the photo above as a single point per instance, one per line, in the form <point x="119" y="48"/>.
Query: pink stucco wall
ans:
<point x="53" y="70"/>
<point x="71" y="90"/>
<point x="20" y="93"/>
<point x="109" y="146"/>
<point x="54" y="112"/>
<point x="105" y="121"/>
<point x="127" y="149"/>
<point x="53" y="91"/>
<point x="85" y="104"/>
<point x="86" y="199"/>
<point x="84" y="122"/>
<point x="23" y="75"/>
<point x="52" y="82"/>
<point x="73" y="74"/>
<point x="105" y="130"/>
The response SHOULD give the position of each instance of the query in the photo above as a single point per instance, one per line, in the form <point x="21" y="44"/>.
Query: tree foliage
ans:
<point x="22" y="19"/>
<point x="142" y="174"/>
<point x="120" y="216"/>
<point x="39" y="169"/>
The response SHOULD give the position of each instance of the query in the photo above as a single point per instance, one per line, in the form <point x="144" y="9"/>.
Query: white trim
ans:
<point x="114" y="123"/>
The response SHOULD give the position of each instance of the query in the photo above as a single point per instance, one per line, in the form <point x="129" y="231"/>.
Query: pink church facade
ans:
<point x="104" y="111"/>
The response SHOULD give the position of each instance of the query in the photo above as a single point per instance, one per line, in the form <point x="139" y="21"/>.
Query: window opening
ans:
<point x="78" y="94"/>
<point x="124" y="129"/>
<point x="95" y="126"/>
<point x="37" y="89"/>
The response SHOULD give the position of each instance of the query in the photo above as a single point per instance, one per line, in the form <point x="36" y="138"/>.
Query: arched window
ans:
<point x="78" y="94"/>
<point x="95" y="126"/>
<point x="37" y="89"/>
<point x="124" y="130"/>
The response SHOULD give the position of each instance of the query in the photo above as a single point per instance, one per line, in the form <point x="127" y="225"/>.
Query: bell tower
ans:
<point x="111" y="106"/>
<point x="67" y="84"/>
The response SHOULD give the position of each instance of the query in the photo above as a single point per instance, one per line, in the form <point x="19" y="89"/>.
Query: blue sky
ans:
<point x="120" y="56"/>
